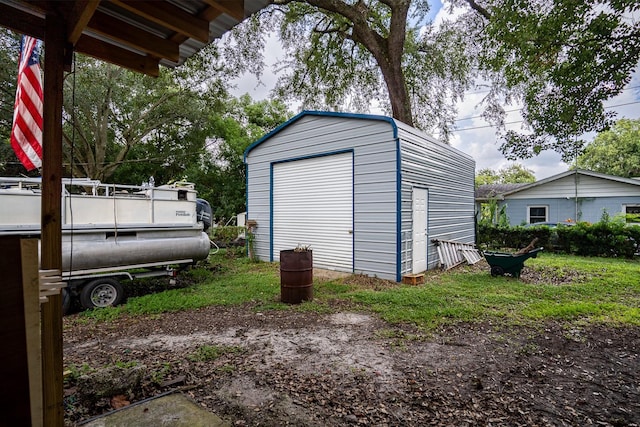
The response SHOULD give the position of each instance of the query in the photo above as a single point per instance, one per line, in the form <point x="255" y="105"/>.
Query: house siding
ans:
<point x="448" y="175"/>
<point x="579" y="196"/>
<point x="589" y="209"/>
<point x="578" y="185"/>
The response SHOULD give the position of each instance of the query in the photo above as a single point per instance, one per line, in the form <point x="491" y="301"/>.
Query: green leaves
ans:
<point x="112" y="114"/>
<point x="562" y="60"/>
<point x="354" y="56"/>
<point x="512" y="174"/>
<point x="616" y="151"/>
<point x="220" y="177"/>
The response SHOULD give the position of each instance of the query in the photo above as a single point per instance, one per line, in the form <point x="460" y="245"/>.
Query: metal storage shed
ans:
<point x="367" y="193"/>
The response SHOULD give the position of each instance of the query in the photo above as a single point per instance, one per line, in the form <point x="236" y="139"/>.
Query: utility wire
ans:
<point x="521" y="121"/>
<point x="489" y="90"/>
<point x="520" y="109"/>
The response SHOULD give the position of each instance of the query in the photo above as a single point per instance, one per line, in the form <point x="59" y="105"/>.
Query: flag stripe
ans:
<point x="29" y="135"/>
<point x="26" y="132"/>
<point x="34" y="109"/>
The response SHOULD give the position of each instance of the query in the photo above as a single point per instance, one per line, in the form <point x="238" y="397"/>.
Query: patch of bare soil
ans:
<point x="278" y="368"/>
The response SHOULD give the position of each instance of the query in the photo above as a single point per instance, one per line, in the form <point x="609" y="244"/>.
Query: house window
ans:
<point x="537" y="214"/>
<point x="633" y="213"/>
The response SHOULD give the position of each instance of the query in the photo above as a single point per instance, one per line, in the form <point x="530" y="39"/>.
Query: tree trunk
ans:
<point x="388" y="51"/>
<point x="392" y="71"/>
<point x="398" y="92"/>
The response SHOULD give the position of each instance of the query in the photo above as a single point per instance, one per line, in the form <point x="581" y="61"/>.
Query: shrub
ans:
<point x="606" y="238"/>
<point x="496" y="237"/>
<point x="226" y="235"/>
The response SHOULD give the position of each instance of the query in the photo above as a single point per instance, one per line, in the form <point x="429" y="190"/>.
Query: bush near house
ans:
<point x="495" y="236"/>
<point x="605" y="238"/>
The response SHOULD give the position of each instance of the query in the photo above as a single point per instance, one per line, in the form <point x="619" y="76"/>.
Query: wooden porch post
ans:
<point x="51" y="244"/>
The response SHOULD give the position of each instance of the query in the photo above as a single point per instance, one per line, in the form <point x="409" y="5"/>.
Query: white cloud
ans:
<point x="260" y="89"/>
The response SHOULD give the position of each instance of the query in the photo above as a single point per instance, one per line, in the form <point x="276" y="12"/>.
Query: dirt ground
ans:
<point x="278" y="368"/>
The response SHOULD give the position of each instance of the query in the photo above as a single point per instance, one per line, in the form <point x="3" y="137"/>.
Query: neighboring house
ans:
<point x="575" y="195"/>
<point x="367" y="193"/>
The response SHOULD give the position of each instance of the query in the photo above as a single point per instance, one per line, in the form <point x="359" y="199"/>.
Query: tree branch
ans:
<point x="481" y="10"/>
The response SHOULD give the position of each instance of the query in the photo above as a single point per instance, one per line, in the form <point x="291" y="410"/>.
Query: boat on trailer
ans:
<point x="113" y="232"/>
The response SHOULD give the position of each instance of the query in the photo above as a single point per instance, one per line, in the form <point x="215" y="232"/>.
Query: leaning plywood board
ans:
<point x="14" y="393"/>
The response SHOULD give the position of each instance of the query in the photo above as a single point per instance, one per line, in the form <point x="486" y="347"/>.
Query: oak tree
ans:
<point x="345" y="54"/>
<point x="616" y="151"/>
<point x="560" y="60"/>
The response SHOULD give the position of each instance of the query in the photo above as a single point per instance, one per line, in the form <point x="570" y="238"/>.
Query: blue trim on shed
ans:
<point x="320" y="113"/>
<point x="398" y="204"/>
<point x="394" y="127"/>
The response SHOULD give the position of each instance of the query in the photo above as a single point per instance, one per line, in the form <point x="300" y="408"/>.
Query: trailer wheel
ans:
<point x="101" y="293"/>
<point x="496" y="270"/>
<point x="66" y="301"/>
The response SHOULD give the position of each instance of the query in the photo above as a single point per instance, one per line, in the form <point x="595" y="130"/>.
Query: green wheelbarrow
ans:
<point x="502" y="263"/>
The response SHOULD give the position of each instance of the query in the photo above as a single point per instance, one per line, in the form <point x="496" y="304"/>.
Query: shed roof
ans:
<point x="395" y="125"/>
<point x="319" y="113"/>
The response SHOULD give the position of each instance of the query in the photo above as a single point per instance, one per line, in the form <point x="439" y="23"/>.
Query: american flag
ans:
<point x="26" y="132"/>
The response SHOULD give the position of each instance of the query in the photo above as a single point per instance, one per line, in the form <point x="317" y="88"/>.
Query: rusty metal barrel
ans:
<point x="296" y="276"/>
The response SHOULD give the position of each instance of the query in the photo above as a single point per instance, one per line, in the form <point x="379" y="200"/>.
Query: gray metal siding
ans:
<point x="448" y="174"/>
<point x="374" y="182"/>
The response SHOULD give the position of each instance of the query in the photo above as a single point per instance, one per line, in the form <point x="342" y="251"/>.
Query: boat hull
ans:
<point x="89" y="251"/>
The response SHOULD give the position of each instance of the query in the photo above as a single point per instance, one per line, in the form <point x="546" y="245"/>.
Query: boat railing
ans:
<point x="88" y="201"/>
<point x="93" y="187"/>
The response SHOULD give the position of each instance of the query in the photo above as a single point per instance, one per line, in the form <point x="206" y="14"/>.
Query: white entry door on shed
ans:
<point x="419" y="230"/>
<point x="313" y="206"/>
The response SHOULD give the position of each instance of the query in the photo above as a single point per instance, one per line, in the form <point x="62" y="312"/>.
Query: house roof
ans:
<point x="139" y="35"/>
<point x="492" y="191"/>
<point x="584" y="172"/>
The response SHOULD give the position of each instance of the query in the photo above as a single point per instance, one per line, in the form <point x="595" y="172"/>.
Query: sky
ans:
<point x="477" y="138"/>
<point x="473" y="136"/>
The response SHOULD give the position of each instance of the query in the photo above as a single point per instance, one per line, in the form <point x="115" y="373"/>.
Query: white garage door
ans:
<point x="313" y="206"/>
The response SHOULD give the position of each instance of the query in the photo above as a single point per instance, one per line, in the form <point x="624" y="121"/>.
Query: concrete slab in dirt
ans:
<point x="174" y="410"/>
<point x="329" y="274"/>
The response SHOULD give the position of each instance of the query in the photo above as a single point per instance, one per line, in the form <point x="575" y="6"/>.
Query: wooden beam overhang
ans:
<point x="169" y="16"/>
<point x="135" y="34"/>
<point x="233" y="8"/>
<point x="78" y="17"/>
<point x="21" y="21"/>
<point x="100" y="49"/>
<point x="125" y="33"/>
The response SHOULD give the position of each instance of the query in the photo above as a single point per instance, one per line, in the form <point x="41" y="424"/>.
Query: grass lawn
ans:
<point x="597" y="290"/>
